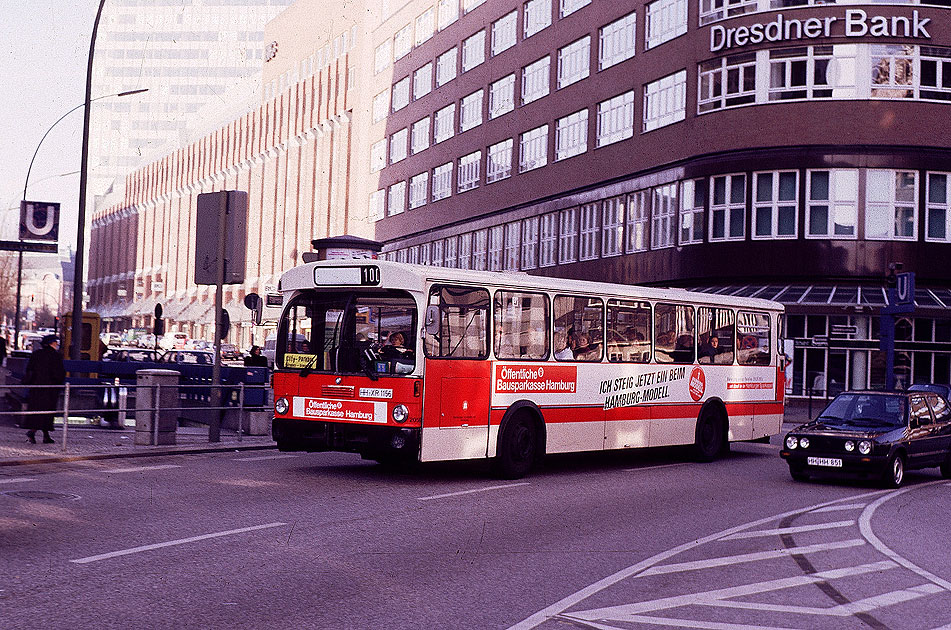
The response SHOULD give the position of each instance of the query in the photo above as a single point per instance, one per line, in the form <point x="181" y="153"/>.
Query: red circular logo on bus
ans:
<point x="698" y="383"/>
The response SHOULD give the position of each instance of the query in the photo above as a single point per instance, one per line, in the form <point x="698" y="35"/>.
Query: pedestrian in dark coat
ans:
<point x="255" y="359"/>
<point x="45" y="367"/>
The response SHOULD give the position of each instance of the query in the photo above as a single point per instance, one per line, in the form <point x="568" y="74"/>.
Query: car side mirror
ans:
<point x="431" y="323"/>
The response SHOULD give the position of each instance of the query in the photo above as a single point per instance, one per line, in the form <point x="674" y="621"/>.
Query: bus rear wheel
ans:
<point x="518" y="447"/>
<point x="710" y="439"/>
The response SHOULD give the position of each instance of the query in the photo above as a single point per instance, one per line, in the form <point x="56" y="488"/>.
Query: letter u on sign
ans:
<point x="39" y="221"/>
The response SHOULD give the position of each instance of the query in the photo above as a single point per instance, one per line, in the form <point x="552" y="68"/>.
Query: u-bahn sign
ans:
<point x="39" y="221"/>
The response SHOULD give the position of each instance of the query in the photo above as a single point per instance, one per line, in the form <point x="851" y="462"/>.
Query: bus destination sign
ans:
<point x="363" y="275"/>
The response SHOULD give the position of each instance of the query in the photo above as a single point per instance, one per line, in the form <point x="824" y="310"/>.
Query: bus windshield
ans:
<point x="369" y="332"/>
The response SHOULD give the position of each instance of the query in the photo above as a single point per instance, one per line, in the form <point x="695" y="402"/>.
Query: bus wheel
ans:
<point x="710" y="440"/>
<point x="518" y="446"/>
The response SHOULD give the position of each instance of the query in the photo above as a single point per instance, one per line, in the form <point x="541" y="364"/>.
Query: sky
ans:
<point x="43" y="51"/>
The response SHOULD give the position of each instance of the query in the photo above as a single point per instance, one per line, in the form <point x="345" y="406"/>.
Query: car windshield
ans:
<point x="866" y="410"/>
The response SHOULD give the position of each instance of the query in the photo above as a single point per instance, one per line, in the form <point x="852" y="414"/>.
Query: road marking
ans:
<point x="687" y="623"/>
<point x="172" y="543"/>
<point x="840" y="508"/>
<point x="141" y="468"/>
<point x="264" y="457"/>
<point x="461" y="492"/>
<point x="750" y="557"/>
<point x="866" y="605"/>
<point x="654" y="467"/>
<point x="779" y="531"/>
<point x="624" y="611"/>
<point x="17" y="480"/>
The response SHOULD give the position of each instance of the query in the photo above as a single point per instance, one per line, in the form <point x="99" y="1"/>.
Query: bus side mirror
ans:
<point x="432" y="320"/>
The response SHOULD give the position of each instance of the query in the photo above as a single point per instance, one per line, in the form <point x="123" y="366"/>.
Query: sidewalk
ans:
<point x="87" y="442"/>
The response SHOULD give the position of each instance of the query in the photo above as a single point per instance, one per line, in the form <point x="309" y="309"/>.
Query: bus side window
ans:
<point x="521" y="325"/>
<point x="462" y="329"/>
<point x="674" y="333"/>
<point x="752" y="338"/>
<point x="715" y="333"/>
<point x="629" y="332"/>
<point x="579" y="334"/>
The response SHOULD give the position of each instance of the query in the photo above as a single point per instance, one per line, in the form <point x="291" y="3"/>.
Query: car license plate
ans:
<point x="824" y="461"/>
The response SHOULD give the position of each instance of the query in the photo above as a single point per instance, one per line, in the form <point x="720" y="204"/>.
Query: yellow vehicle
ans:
<point x="91" y="349"/>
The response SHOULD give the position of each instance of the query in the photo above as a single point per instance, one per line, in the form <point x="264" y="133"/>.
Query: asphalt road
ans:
<point x="634" y="540"/>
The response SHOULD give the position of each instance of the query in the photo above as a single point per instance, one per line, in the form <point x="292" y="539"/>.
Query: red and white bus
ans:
<point x="406" y="362"/>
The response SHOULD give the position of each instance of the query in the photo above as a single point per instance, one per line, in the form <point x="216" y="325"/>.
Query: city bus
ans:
<point x="401" y="362"/>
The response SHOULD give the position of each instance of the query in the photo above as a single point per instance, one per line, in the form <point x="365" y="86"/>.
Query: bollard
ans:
<point x="240" y="411"/>
<point x="65" y="416"/>
<point x="156" y="415"/>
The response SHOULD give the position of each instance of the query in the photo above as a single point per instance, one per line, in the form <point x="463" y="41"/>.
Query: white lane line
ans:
<point x="264" y="457"/>
<point x="779" y="531"/>
<point x="868" y="604"/>
<point x="839" y="508"/>
<point x="655" y="467"/>
<point x="172" y="543"/>
<point x="751" y="557"/>
<point x="141" y="468"/>
<point x="946" y="626"/>
<point x="624" y="611"/>
<point x="17" y="480"/>
<point x="462" y="492"/>
<point x="688" y="623"/>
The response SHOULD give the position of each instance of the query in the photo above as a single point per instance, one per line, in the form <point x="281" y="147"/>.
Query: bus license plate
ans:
<point x="831" y="462"/>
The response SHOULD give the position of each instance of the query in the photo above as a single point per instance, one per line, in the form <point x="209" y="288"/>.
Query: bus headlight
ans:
<point x="281" y="406"/>
<point x="791" y="442"/>
<point x="865" y="447"/>
<point x="804" y="442"/>
<point x="400" y="414"/>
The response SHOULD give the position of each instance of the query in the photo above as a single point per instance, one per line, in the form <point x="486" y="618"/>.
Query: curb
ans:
<point x="77" y="458"/>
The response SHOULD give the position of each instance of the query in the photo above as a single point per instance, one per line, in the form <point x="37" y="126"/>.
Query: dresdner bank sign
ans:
<point x="856" y="23"/>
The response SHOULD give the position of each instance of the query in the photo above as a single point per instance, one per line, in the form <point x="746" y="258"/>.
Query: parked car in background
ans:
<point x="145" y="341"/>
<point x="193" y="357"/>
<point x="174" y="340"/>
<point x="111" y="339"/>
<point x="230" y="352"/>
<point x="873" y="434"/>
<point x="139" y="355"/>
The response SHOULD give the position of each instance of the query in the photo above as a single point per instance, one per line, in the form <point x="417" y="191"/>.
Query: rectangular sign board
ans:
<point x="24" y="246"/>
<point x="39" y="221"/>
<point x="234" y="203"/>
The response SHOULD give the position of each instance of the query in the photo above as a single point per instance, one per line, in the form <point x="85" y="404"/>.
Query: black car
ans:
<point x="873" y="434"/>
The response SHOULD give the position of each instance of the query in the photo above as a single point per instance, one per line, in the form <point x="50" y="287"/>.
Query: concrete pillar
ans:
<point x="148" y="382"/>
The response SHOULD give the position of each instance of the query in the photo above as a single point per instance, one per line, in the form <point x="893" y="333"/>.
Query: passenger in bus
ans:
<point x="568" y="352"/>
<point x="709" y="349"/>
<point x="585" y="350"/>
<point x="396" y="348"/>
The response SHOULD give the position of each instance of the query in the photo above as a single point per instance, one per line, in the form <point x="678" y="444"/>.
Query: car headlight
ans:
<point x="791" y="442"/>
<point x="850" y="446"/>
<point x="804" y="442"/>
<point x="400" y="414"/>
<point x="865" y="447"/>
<point x="281" y="406"/>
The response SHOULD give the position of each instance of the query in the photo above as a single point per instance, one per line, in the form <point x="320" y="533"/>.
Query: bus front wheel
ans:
<point x="518" y="447"/>
<point x="710" y="436"/>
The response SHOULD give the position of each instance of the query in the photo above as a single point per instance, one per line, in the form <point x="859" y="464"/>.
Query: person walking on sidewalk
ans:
<point x="45" y="367"/>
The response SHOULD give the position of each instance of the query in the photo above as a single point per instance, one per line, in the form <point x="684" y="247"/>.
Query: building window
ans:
<point x="935" y="64"/>
<point x="939" y="208"/>
<point x="638" y="212"/>
<point x="665" y="101"/>
<point x="548" y="245"/>
<point x="616" y="119"/>
<point x="891" y="209"/>
<point x="571" y="135"/>
<point x="727" y="82"/>
<point x="804" y="72"/>
<point x="400" y="94"/>
<point x="775" y="200"/>
<point x="377" y="204"/>
<point x="574" y="62"/>
<point x="470" y="5"/>
<point x="666" y="19"/>
<point x="502" y="96"/>
<point x="378" y="156"/>
<point x="468" y="175"/>
<point x="396" y="203"/>
<point x="473" y="51"/>
<point x="450" y="258"/>
<point x="892" y="70"/>
<point x="448" y="12"/>
<point x="537" y="16"/>
<point x="419" y="136"/>
<point x="500" y="161"/>
<point x="413" y="255"/>
<point x="403" y="42"/>
<point x="442" y="181"/>
<point x="612" y="226"/>
<point x="664" y="223"/>
<point x="535" y="80"/>
<point x="693" y="201"/>
<point x="423" y="81"/>
<point x="446" y="67"/>
<point x="570" y="6"/>
<point x="504" y="32"/>
<point x="426" y="253"/>
<point x="568" y="231"/>
<point x="512" y="245"/>
<point x="381" y="57"/>
<point x="530" y="243"/>
<point x="832" y="208"/>
<point x="496" y="247"/>
<point x="437" y="255"/>
<point x="480" y="246"/>
<point x="465" y="251"/>
<point x="470" y="113"/>
<point x="398" y="146"/>
<point x="533" y="149"/>
<point x="425" y="25"/>
<point x="418" y="185"/>
<point x="590" y="247"/>
<point x="444" y="123"/>
<point x="728" y="208"/>
<point x="381" y="105"/>
<point x="713" y="10"/>
<point x="618" y="41"/>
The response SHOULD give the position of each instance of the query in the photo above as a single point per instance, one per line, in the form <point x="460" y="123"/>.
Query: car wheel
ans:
<point x="517" y="447"/>
<point x="895" y="473"/>
<point x="797" y="474"/>
<point x="946" y="467"/>
<point x="709" y="436"/>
